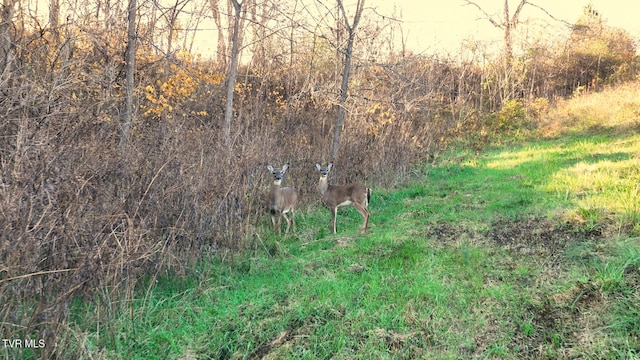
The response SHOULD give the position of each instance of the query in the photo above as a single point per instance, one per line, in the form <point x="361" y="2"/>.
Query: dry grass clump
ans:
<point x="614" y="109"/>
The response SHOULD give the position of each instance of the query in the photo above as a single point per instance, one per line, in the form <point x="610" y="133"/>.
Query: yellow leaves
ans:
<point x="379" y="117"/>
<point x="146" y="57"/>
<point x="174" y="90"/>
<point x="160" y="102"/>
<point x="242" y="88"/>
<point x="105" y="118"/>
<point x="375" y="108"/>
<point x="211" y="79"/>
<point x="278" y="96"/>
<point x="178" y="82"/>
<point x="179" y="86"/>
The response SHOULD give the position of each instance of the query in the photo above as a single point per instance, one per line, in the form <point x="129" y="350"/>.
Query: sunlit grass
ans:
<point x="503" y="254"/>
<point x="614" y="109"/>
<point x="601" y="180"/>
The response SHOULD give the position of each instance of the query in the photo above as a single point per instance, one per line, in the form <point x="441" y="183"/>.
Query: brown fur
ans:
<point x="335" y="196"/>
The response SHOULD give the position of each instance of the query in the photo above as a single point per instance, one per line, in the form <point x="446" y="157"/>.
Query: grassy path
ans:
<point x="529" y="251"/>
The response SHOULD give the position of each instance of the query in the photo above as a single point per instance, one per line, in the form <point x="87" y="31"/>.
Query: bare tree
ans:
<point x="197" y="16"/>
<point x="233" y="69"/>
<point x="54" y="16"/>
<point x="171" y="14"/>
<point x="222" y="48"/>
<point x="130" y="64"/>
<point x="6" y="47"/>
<point x="348" y="54"/>
<point x="507" y="24"/>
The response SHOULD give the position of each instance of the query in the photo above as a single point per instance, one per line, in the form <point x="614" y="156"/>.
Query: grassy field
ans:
<point x="528" y="250"/>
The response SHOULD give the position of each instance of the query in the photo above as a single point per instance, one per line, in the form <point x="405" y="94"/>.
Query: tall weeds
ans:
<point x="84" y="218"/>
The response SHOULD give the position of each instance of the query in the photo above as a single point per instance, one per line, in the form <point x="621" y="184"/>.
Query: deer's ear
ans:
<point x="270" y="168"/>
<point x="318" y="166"/>
<point x="285" y="167"/>
<point x="330" y="166"/>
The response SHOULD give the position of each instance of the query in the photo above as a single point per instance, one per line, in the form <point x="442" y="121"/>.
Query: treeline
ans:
<point x="84" y="215"/>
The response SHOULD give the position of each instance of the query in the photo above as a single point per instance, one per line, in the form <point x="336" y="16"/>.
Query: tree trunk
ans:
<point x="54" y="17"/>
<point x="344" y="88"/>
<point x="6" y="48"/>
<point x="233" y="70"/>
<point x="221" y="55"/>
<point x="130" y="64"/>
<point x="508" y="24"/>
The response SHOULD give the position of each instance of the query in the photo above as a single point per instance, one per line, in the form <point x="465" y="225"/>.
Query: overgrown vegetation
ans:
<point x="517" y="253"/>
<point x="101" y="242"/>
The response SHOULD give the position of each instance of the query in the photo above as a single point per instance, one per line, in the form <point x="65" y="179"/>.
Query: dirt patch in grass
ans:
<point x="449" y="234"/>
<point x="558" y="325"/>
<point x="296" y="333"/>
<point x="563" y="325"/>
<point x="538" y="234"/>
<point x="405" y="345"/>
<point x="526" y="236"/>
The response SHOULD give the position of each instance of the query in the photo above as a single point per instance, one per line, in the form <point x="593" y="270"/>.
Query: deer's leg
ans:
<point x="293" y="219"/>
<point x="288" y="222"/>
<point x="365" y="215"/>
<point x="334" y="214"/>
<point x="273" y="222"/>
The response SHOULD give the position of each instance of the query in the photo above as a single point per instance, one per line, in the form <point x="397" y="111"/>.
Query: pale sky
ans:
<point x="443" y="24"/>
<point x="436" y="26"/>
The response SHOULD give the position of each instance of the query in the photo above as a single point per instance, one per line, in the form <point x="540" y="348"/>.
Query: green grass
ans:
<point x="524" y="251"/>
<point x="530" y="251"/>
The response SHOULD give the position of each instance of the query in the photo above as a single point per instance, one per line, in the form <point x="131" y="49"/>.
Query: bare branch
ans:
<point x="494" y="22"/>
<point x="549" y="14"/>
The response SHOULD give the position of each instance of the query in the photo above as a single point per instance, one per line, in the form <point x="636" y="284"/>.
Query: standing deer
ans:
<point x="335" y="196"/>
<point x="281" y="201"/>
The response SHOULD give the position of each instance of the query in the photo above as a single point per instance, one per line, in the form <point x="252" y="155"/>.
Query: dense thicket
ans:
<point x="83" y="216"/>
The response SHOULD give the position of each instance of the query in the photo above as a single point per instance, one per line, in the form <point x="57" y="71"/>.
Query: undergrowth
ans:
<point x="528" y="249"/>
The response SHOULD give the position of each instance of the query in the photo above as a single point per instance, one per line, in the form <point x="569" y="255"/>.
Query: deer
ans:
<point x="281" y="201"/>
<point x="335" y="196"/>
